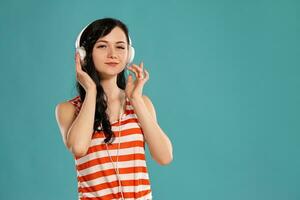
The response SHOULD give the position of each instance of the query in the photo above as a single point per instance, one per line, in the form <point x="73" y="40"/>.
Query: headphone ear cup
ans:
<point x="82" y="53"/>
<point x="130" y="55"/>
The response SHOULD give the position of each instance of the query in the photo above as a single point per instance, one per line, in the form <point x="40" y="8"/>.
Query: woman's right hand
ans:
<point x="82" y="77"/>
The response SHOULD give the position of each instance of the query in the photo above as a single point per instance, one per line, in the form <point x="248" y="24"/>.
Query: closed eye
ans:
<point x="101" y="46"/>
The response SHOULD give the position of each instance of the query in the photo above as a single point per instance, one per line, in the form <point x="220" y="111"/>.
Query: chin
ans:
<point x="109" y="73"/>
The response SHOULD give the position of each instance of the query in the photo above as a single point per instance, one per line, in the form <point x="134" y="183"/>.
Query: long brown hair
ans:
<point x="100" y="28"/>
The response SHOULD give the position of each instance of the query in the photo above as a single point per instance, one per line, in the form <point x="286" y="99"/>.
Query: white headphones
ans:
<point x="82" y="52"/>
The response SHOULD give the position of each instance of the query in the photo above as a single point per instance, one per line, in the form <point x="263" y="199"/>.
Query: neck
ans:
<point x="112" y="91"/>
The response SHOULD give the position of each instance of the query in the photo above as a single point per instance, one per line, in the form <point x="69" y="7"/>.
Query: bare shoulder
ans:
<point x="65" y="113"/>
<point x="65" y="108"/>
<point x="150" y="106"/>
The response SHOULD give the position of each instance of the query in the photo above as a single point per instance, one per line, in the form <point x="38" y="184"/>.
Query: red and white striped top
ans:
<point x="96" y="176"/>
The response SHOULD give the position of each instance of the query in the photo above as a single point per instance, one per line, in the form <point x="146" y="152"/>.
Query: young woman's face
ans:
<point x="112" y="48"/>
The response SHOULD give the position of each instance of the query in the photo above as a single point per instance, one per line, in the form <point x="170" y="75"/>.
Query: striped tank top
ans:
<point x="96" y="176"/>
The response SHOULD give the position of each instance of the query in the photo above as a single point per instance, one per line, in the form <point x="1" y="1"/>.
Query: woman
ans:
<point x="107" y="125"/>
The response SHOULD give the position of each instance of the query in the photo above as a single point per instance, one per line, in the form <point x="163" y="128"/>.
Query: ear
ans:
<point x="150" y="106"/>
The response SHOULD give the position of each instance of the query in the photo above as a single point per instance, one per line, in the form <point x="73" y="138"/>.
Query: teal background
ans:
<point x="224" y="79"/>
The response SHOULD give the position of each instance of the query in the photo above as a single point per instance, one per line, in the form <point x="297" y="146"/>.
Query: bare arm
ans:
<point x="77" y="133"/>
<point x="159" y="143"/>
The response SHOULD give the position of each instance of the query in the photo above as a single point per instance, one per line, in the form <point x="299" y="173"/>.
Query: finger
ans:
<point x="140" y="71"/>
<point x="137" y="67"/>
<point x="142" y="76"/>
<point x="134" y="70"/>
<point x="146" y="75"/>
<point x="78" y="65"/>
<point x="75" y="57"/>
<point x="129" y="79"/>
<point x="142" y="65"/>
<point x="76" y="62"/>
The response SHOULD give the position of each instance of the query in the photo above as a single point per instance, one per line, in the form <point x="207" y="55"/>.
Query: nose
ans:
<point x="111" y="52"/>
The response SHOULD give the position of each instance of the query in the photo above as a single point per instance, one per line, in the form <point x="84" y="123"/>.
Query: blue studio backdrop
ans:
<point x="224" y="80"/>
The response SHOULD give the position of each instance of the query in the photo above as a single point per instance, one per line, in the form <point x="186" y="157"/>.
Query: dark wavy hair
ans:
<point x="97" y="29"/>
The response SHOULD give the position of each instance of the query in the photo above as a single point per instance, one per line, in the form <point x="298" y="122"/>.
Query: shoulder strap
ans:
<point x="76" y="102"/>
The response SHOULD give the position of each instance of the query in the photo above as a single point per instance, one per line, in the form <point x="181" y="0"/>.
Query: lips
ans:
<point x="113" y="64"/>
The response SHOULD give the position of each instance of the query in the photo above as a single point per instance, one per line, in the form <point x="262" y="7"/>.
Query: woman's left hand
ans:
<point x="134" y="88"/>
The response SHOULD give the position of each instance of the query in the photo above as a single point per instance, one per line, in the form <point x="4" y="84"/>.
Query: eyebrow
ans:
<point x="107" y="41"/>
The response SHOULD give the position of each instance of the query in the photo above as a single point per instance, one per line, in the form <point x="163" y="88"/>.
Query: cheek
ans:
<point x="98" y="62"/>
<point x="98" y="58"/>
<point x="124" y="56"/>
